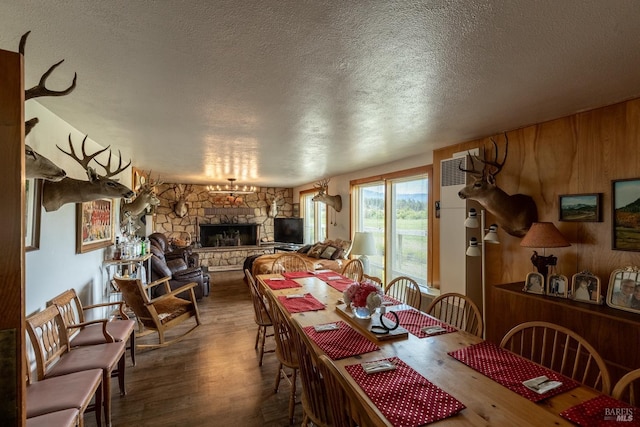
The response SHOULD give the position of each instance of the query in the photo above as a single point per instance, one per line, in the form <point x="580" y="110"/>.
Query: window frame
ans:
<point x="316" y="216"/>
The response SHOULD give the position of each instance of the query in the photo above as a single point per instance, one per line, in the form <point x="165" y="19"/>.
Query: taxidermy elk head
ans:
<point x="322" y="196"/>
<point x="145" y="197"/>
<point x="69" y="190"/>
<point x="181" y="207"/>
<point x="514" y="213"/>
<point x="36" y="165"/>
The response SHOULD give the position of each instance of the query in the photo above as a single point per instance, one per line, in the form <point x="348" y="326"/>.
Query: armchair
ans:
<point x="178" y="272"/>
<point x="186" y="253"/>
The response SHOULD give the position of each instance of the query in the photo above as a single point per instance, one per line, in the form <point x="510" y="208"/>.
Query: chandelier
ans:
<point x="231" y="188"/>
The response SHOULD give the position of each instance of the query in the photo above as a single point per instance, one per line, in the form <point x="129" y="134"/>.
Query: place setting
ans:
<point x="277" y="283"/>
<point x="297" y="303"/>
<point x="339" y="340"/>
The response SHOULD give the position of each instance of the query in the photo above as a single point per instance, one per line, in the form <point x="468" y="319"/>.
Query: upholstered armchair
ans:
<point x="179" y="273"/>
<point x="170" y="253"/>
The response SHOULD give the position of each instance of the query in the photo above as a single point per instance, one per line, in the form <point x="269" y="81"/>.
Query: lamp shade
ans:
<point x="363" y="244"/>
<point x="544" y="235"/>
<point x="492" y="235"/>
<point x="472" y="219"/>
<point x="473" y="249"/>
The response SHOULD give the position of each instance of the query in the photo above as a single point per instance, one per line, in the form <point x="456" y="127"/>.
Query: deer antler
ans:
<point x="497" y="165"/>
<point x="322" y="185"/>
<point x="87" y="158"/>
<point x="40" y="89"/>
<point x="107" y="167"/>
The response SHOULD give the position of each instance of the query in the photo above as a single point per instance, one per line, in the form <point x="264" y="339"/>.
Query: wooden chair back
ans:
<point x="162" y="313"/>
<point x="559" y="349"/>
<point x="289" y="262"/>
<point x="315" y="401"/>
<point x="347" y="409"/>
<point x="260" y="310"/>
<point x="49" y="338"/>
<point x="354" y="270"/>
<point x="628" y="387"/>
<point x="457" y="310"/>
<point x="374" y="279"/>
<point x="405" y="290"/>
<point x="282" y="333"/>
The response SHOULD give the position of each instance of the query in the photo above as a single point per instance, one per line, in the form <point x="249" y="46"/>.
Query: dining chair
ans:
<point x="347" y="409"/>
<point x="405" y="290"/>
<point x="289" y="262"/>
<point x="55" y="357"/>
<point x="62" y="418"/>
<point x="628" y="387"/>
<point x="285" y="352"/>
<point x="459" y="311"/>
<point x="374" y="279"/>
<point x="82" y="333"/>
<point x="260" y="315"/>
<point x="353" y="269"/>
<point x="561" y="350"/>
<point x="160" y="314"/>
<point x="315" y="401"/>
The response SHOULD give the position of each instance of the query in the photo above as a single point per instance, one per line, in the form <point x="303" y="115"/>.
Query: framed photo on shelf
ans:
<point x="585" y="287"/>
<point x="579" y="207"/>
<point x="94" y="225"/>
<point x="623" y="292"/>
<point x="534" y="283"/>
<point x="557" y="285"/>
<point x="33" y="209"/>
<point x="626" y="215"/>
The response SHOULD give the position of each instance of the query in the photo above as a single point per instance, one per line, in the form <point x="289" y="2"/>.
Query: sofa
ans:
<point x="327" y="255"/>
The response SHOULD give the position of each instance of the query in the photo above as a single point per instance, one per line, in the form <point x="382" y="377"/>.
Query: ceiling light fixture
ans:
<point x="231" y="188"/>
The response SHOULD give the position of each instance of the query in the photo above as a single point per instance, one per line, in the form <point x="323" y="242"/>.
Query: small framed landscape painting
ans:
<point x="626" y="215"/>
<point x="580" y="207"/>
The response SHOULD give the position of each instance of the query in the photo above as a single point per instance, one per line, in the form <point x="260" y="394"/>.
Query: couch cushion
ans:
<point x="316" y="250"/>
<point x="303" y="250"/>
<point x="328" y="252"/>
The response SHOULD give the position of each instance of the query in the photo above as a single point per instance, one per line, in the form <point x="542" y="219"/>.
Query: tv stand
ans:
<point x="286" y="247"/>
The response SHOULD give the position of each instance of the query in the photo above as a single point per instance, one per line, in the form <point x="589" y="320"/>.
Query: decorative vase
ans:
<point x="361" y="312"/>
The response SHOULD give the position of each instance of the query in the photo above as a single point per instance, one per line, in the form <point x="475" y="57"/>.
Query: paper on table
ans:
<point x="326" y="327"/>
<point x="430" y="330"/>
<point x="378" y="366"/>
<point x="541" y="384"/>
<point x="295" y="296"/>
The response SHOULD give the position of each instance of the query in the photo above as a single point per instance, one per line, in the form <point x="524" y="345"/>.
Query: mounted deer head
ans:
<point x="515" y="213"/>
<point x="322" y="196"/>
<point x="181" y="207"/>
<point x="273" y="206"/>
<point x="145" y="198"/>
<point x="69" y="190"/>
<point x="38" y="166"/>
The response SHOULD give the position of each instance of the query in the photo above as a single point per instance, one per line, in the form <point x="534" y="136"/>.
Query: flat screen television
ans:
<point x="288" y="230"/>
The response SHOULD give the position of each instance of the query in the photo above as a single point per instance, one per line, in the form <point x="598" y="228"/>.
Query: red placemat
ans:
<point x="340" y="284"/>
<point x="342" y="342"/>
<point x="296" y="305"/>
<point x="388" y="300"/>
<point x="404" y="396"/>
<point x="327" y="276"/>
<point x="413" y="321"/>
<point x="297" y="274"/>
<point x="603" y="411"/>
<point x="510" y="370"/>
<point x="276" y="284"/>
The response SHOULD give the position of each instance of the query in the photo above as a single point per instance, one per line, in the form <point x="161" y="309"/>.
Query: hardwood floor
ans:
<point x="212" y="377"/>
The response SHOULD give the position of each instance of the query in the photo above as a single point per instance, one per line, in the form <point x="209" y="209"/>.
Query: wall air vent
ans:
<point x="450" y="173"/>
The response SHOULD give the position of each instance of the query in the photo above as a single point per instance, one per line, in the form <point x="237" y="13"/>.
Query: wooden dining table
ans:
<point x="487" y="402"/>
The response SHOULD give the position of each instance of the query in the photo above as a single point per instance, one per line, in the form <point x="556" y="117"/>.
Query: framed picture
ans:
<point x="626" y="215"/>
<point x="33" y="208"/>
<point x="580" y="207"/>
<point x="557" y="285"/>
<point x="296" y="210"/>
<point x="585" y="287"/>
<point x="623" y="292"/>
<point x="138" y="179"/>
<point x="94" y="225"/>
<point x="534" y="283"/>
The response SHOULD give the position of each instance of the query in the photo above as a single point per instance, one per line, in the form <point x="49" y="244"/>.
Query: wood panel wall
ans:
<point x="12" y="216"/>
<point x="581" y="153"/>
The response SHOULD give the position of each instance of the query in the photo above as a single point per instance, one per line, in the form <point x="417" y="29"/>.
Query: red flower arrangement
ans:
<point x="363" y="294"/>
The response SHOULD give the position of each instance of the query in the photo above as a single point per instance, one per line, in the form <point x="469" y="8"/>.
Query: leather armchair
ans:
<point x="170" y="253"/>
<point x="179" y="273"/>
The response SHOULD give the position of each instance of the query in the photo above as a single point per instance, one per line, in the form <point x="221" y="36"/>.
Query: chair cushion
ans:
<point x="171" y="307"/>
<point x="120" y="330"/>
<point x="63" y="392"/>
<point x="65" y="418"/>
<point x="101" y="356"/>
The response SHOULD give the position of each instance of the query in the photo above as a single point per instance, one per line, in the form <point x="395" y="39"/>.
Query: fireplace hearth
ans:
<point x="220" y="235"/>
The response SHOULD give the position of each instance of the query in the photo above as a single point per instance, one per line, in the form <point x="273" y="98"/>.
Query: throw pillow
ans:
<point x="337" y="254"/>
<point x="345" y="245"/>
<point x="316" y="250"/>
<point x="328" y="252"/>
<point x="304" y="249"/>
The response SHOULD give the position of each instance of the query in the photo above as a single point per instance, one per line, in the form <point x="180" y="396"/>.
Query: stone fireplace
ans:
<point x="218" y="235"/>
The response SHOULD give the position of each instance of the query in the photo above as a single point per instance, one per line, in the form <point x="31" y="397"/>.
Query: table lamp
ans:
<point x="363" y="244"/>
<point x="543" y="235"/>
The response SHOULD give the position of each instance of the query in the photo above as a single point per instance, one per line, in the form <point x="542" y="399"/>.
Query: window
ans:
<point x="395" y="209"/>
<point x="315" y="218"/>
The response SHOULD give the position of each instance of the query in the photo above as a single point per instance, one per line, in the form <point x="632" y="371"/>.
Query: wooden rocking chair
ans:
<point x="162" y="313"/>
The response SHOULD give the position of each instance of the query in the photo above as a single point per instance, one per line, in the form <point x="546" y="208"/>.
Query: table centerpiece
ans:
<point x="363" y="298"/>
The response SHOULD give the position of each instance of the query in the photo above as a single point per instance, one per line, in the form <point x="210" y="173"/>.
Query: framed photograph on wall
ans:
<point x="33" y="209"/>
<point x="623" y="292"/>
<point x="94" y="225"/>
<point x="534" y="283"/>
<point x="557" y="285"/>
<point x="585" y="287"/>
<point x="579" y="207"/>
<point x="625" y="202"/>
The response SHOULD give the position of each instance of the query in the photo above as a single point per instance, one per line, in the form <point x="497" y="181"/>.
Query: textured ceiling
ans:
<point x="283" y="93"/>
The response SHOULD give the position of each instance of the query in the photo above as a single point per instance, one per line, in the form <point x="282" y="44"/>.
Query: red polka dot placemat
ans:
<point x="306" y="302"/>
<point x="510" y="370"/>
<point x="413" y="321"/>
<point x="404" y="396"/>
<point x="276" y="284"/>
<point x="387" y="300"/>
<point x="297" y="274"/>
<point x="342" y="342"/>
<point x="340" y="284"/>
<point x="327" y="276"/>
<point x="603" y="411"/>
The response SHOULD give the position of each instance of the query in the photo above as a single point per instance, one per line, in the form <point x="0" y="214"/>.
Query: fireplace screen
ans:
<point x="213" y="235"/>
